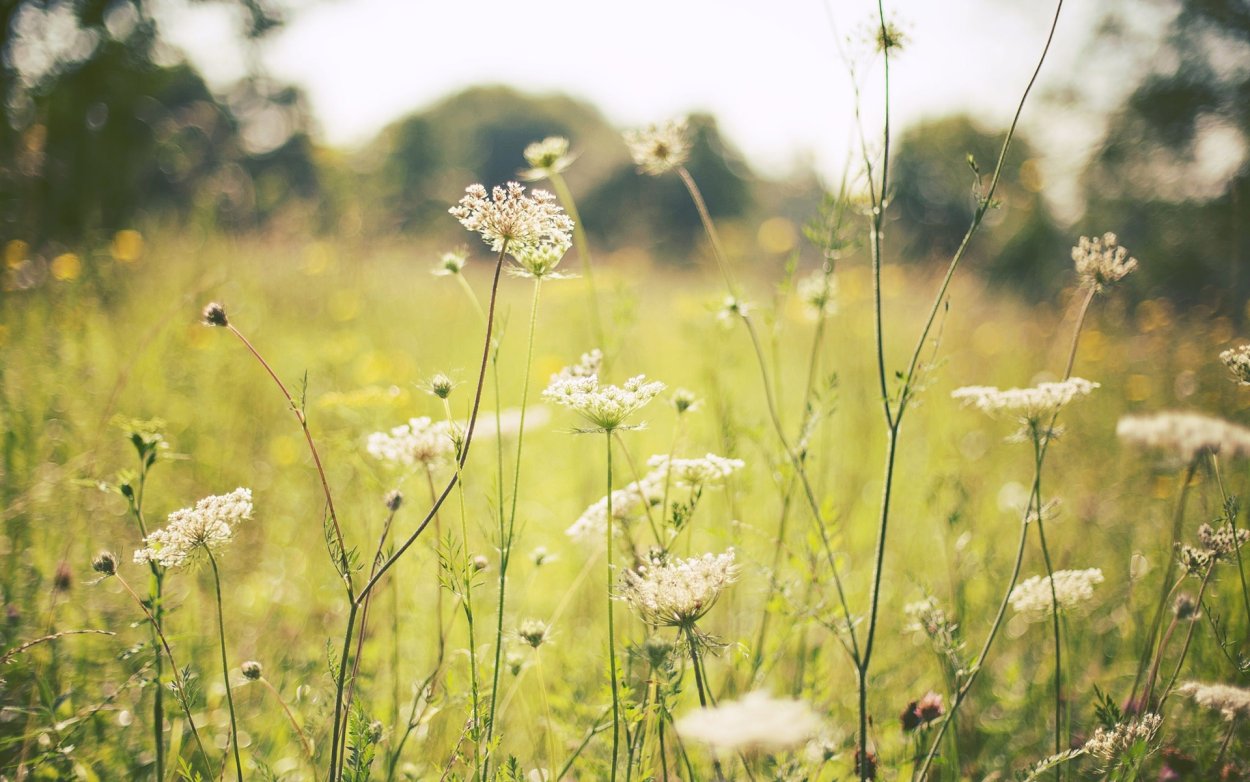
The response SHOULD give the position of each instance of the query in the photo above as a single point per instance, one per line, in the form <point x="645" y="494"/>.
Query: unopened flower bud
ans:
<point x="105" y="563"/>
<point x="441" y="386"/>
<point x="63" y="579"/>
<point x="215" y="315"/>
<point x="393" y="500"/>
<point x="252" y="670"/>
<point x="480" y="562"/>
<point x="533" y="632"/>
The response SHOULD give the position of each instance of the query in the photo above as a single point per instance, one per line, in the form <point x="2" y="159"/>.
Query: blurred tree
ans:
<point x="98" y="126"/>
<point x="1173" y="175"/>
<point x="935" y="193"/>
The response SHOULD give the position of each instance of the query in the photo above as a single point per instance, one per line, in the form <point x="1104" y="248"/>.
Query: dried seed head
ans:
<point x="1185" y="608"/>
<point x="393" y="500"/>
<point x="533" y="632"/>
<point x="64" y="578"/>
<point x="480" y="562"/>
<point x="105" y="563"/>
<point x="252" y="670"/>
<point x="215" y="315"/>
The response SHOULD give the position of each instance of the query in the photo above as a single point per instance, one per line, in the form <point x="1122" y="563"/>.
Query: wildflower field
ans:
<point x="282" y="508"/>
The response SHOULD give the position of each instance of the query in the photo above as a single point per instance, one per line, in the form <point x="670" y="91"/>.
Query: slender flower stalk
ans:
<point x="225" y="667"/>
<point x="612" y="677"/>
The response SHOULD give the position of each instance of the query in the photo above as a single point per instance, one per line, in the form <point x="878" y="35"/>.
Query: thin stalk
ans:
<point x="1189" y="637"/>
<point x="1228" y="737"/>
<point x="303" y="737"/>
<point x="506" y="536"/>
<point x="1054" y="599"/>
<point x="583" y="253"/>
<point x="156" y="593"/>
<point x="339" y="727"/>
<point x="225" y="666"/>
<point x="693" y="643"/>
<point x="718" y="251"/>
<point x="1232" y="522"/>
<point x="312" y="448"/>
<point x="551" y="725"/>
<point x="590" y="734"/>
<point x="178" y="681"/>
<point x="475" y="726"/>
<point x="616" y="697"/>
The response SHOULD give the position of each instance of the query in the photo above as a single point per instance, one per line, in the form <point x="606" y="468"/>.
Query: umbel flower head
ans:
<point x="1110" y="744"/>
<point x="1238" y="362"/>
<point x="547" y="157"/>
<point x="1029" y="405"/>
<point x="1187" y="435"/>
<point x="1032" y="597"/>
<point x="605" y="407"/>
<point x="540" y="260"/>
<point x="658" y="149"/>
<point x="1100" y="261"/>
<point x="508" y="217"/>
<point x="756" y="723"/>
<point x="680" y="592"/>
<point x="1231" y="702"/>
<point x="709" y="470"/>
<point x="418" y="442"/>
<point x="209" y="525"/>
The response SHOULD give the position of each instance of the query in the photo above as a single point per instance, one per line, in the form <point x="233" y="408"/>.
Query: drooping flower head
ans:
<point x="1073" y="588"/>
<point x="756" y="723"/>
<point x="547" y="157"/>
<point x="1187" y="435"/>
<point x="1100" y="261"/>
<point x="605" y="407"/>
<point x="658" y="149"/>
<point x="421" y="441"/>
<point x="679" y="592"/>
<point x="508" y="217"/>
<point x="209" y="525"/>
<point x="1238" y="362"/>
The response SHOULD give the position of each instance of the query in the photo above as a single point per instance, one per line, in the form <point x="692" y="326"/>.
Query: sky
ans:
<point x="770" y="72"/>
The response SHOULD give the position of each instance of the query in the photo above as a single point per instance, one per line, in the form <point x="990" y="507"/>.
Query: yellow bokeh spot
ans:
<point x="1031" y="175"/>
<point x="777" y="235"/>
<point x="1093" y="346"/>
<point x="344" y="305"/>
<point x="66" y="267"/>
<point x="372" y="367"/>
<point x="283" y="450"/>
<point x="1138" y="388"/>
<point x="1153" y="314"/>
<point x="127" y="246"/>
<point x="318" y="258"/>
<point x="988" y="338"/>
<point x="15" y="253"/>
<point x="1163" y="487"/>
<point x="1221" y="330"/>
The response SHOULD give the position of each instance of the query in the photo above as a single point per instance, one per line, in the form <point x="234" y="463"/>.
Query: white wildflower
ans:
<point x="1030" y="404"/>
<point x="547" y="157"/>
<point x="1100" y="261"/>
<point x="1238" y="362"/>
<point x="816" y="292"/>
<point x="420" y="441"/>
<point x="209" y="525"/>
<point x="533" y="632"/>
<point x="686" y="401"/>
<point x="710" y="470"/>
<point x="606" y="407"/>
<point x="539" y="260"/>
<point x="628" y="504"/>
<point x="1231" y="702"/>
<point x="451" y="262"/>
<point x="658" y="149"/>
<point x="1187" y="435"/>
<point x="1223" y="541"/>
<point x="731" y="309"/>
<point x="756" y="723"/>
<point x="507" y="216"/>
<point x="679" y="592"/>
<point x="1110" y="745"/>
<point x="1032" y="597"/>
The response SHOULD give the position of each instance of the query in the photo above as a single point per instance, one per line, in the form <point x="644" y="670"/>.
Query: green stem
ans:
<point x="1054" y="603"/>
<point x="616" y="698"/>
<point x="225" y="667"/>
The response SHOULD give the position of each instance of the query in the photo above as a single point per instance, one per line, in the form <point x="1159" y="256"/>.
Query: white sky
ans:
<point x="769" y="71"/>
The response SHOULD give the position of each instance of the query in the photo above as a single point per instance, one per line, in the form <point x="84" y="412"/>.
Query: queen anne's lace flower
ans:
<point x="1028" y="403"/>
<point x="679" y="592"/>
<point x="209" y="525"/>
<point x="1231" y="702"/>
<point x="539" y="260"/>
<point x="547" y="157"/>
<point x="1032" y="597"/>
<point x="1187" y="435"/>
<point x="1109" y="745"/>
<point x="418" y="442"/>
<point x="817" y="291"/>
<point x="606" y="407"/>
<point x="707" y="470"/>
<point x="1238" y="362"/>
<point x="658" y="149"/>
<point x="628" y="504"/>
<point x="756" y="723"/>
<point x="451" y="262"/>
<point x="507" y="216"/>
<point x="1100" y="261"/>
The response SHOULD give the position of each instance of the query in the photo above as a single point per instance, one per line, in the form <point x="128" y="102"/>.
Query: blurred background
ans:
<point x="362" y="120"/>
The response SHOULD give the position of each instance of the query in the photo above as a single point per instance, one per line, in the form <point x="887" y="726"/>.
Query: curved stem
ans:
<point x="1189" y="637"/>
<point x="303" y="737"/>
<point x="710" y="228"/>
<point x="225" y="666"/>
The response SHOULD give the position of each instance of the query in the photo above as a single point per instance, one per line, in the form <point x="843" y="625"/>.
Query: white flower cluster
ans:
<point x="208" y="525"/>
<point x="1187" y="435"/>
<point x="1032" y="597"/>
<point x="1223" y="541"/>
<point x="547" y="157"/>
<point x="658" y="149"/>
<point x="817" y="292"/>
<point x="507" y="216"/>
<point x="1238" y="362"/>
<point x="1029" y="404"/>
<point x="679" y="592"/>
<point x="606" y="407"/>
<point x="420" y="441"/>
<point x="1109" y="745"/>
<point x="451" y="262"/>
<point x="756" y="723"/>
<point x="1100" y="261"/>
<point x="1231" y="702"/>
<point x="627" y="504"/>
<point x="709" y="470"/>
